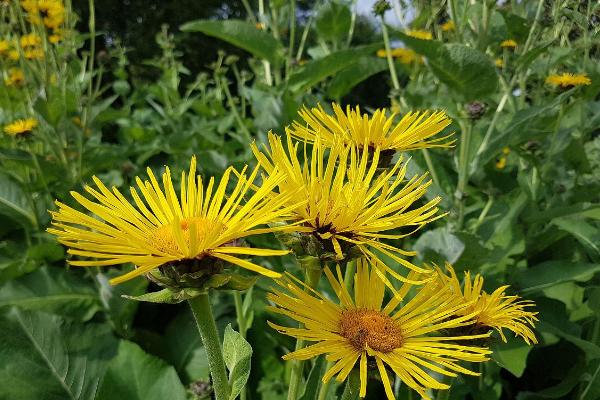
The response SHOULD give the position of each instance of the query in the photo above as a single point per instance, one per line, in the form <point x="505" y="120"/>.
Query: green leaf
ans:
<point x="585" y="233"/>
<point x="511" y="356"/>
<point x="313" y="383"/>
<point x="333" y="21"/>
<point x="237" y="353"/>
<point x="550" y="273"/>
<point x="351" y="76"/>
<point x="465" y="70"/>
<point x="53" y="290"/>
<point x="241" y="34"/>
<point x="166" y="296"/>
<point x="518" y="27"/>
<point x="591" y="350"/>
<point x="45" y="357"/>
<point x="14" y="204"/>
<point x="316" y="71"/>
<point x="136" y="375"/>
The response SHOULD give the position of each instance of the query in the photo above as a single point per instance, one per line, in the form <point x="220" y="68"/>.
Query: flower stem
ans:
<point x="388" y="55"/>
<point x="352" y="386"/>
<point x="242" y="327"/>
<point x="210" y="338"/>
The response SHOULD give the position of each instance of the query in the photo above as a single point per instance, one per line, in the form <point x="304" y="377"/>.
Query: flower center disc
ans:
<point x="367" y="327"/>
<point x="163" y="238"/>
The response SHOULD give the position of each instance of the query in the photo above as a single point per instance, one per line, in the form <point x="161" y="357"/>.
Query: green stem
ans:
<point x="349" y="275"/>
<point x="453" y="16"/>
<point x="352" y="386"/>
<point x="431" y="167"/>
<point x="292" y="35"/>
<point x="312" y="277"/>
<point x="210" y="339"/>
<point x="388" y="55"/>
<point x="463" y="171"/>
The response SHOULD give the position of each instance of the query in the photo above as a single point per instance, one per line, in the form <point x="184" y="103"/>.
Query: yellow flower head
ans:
<point x="509" y="43"/>
<point x="15" y="77"/>
<point x="568" y="80"/>
<point x="261" y="26"/>
<point x="54" y="38"/>
<point x="14" y="55"/>
<point x="53" y="12"/>
<point x="501" y="162"/>
<point x="413" y="131"/>
<point x="406" y="56"/>
<point x="4" y="46"/>
<point x="420" y="34"/>
<point x="36" y="53"/>
<point x="20" y="127"/>
<point x="347" y="203"/>
<point x="492" y="311"/>
<point x="162" y="228"/>
<point x="499" y="62"/>
<point x="30" y="40"/>
<point x="405" y="338"/>
<point x="448" y="26"/>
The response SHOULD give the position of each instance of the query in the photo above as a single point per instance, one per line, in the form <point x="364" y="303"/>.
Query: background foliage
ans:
<point x="521" y="187"/>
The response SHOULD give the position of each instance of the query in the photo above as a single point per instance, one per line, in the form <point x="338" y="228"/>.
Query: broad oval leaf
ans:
<point x="242" y="34"/>
<point x="351" y="76"/>
<point x="45" y="357"/>
<point x="136" y="375"/>
<point x="316" y="71"/>
<point x="333" y="21"/>
<point x="13" y="202"/>
<point x="52" y="290"/>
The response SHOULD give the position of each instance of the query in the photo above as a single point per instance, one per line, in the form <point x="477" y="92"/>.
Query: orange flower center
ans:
<point x="370" y="328"/>
<point x="164" y="238"/>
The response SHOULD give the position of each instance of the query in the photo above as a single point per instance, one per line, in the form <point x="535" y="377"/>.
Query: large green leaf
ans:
<point x="136" y="375"/>
<point x="465" y="70"/>
<point x="511" y="356"/>
<point x="53" y="290"/>
<point x="14" y="202"/>
<point x="241" y="34"/>
<point x="47" y="358"/>
<point x="318" y="70"/>
<point x="351" y="76"/>
<point x="550" y="273"/>
<point x="333" y="21"/>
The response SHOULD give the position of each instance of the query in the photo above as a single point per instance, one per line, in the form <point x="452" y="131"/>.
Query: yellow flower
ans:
<point x="361" y="330"/>
<point x="509" y="43"/>
<point x="492" y="311"/>
<point x="501" y="162"/>
<point x="14" y="55"/>
<point x="506" y="150"/>
<point x="15" y="77"/>
<point x="413" y="131"/>
<point x="568" y="80"/>
<point x="261" y="26"/>
<point x="36" y="53"/>
<point x="347" y="204"/>
<point x="420" y="34"/>
<point x="499" y="63"/>
<point x="448" y="26"/>
<point x="4" y="46"/>
<point x="20" y="127"/>
<point x="53" y="11"/>
<point x="203" y="222"/>
<point x="406" y="56"/>
<point x="30" y="40"/>
<point x="54" y="38"/>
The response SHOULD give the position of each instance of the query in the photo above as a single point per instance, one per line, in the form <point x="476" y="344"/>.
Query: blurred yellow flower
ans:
<point x="261" y="26"/>
<point x="20" y="127"/>
<point x="54" y="38"/>
<point x="202" y="222"/>
<point x="448" y="26"/>
<point x="413" y="131"/>
<point x="492" y="311"/>
<point x="4" y="46"/>
<point x="347" y="204"/>
<point x="406" y="56"/>
<point x="50" y="12"/>
<point x="362" y="331"/>
<point x="499" y="63"/>
<point x="509" y="43"/>
<point x="420" y="34"/>
<point x="568" y="80"/>
<point x="36" y="53"/>
<point x="15" y="77"/>
<point x="14" y="55"/>
<point x="501" y="162"/>
<point x="30" y="40"/>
